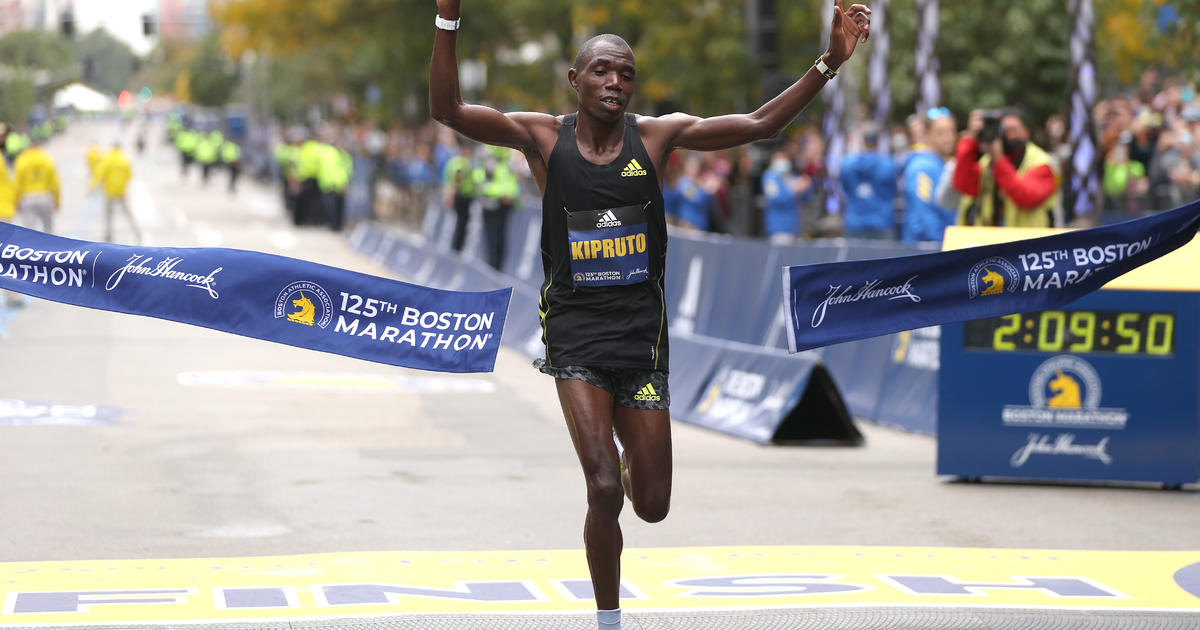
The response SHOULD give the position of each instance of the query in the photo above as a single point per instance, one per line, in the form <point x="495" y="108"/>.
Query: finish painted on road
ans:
<point x="713" y="578"/>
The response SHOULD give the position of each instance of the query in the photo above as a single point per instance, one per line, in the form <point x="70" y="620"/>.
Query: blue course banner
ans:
<point x="835" y="302"/>
<point x="263" y="296"/>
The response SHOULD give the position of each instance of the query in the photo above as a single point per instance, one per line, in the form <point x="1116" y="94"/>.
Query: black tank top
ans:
<point x="604" y="247"/>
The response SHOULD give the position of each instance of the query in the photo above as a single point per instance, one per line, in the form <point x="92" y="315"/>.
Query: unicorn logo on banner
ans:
<point x="306" y="312"/>
<point x="996" y="274"/>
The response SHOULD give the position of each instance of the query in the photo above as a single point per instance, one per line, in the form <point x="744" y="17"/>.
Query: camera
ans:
<point x="991" y="126"/>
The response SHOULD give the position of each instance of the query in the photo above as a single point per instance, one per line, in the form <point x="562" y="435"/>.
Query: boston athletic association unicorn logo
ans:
<point x="304" y="303"/>
<point x="1065" y="392"/>
<point x="305" y="314"/>
<point x="994" y="282"/>
<point x="992" y="276"/>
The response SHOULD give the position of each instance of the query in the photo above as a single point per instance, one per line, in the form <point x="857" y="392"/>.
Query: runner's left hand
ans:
<point x="850" y="27"/>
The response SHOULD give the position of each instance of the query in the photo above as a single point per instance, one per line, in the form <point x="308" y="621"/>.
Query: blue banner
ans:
<point x="263" y="296"/>
<point x="836" y="302"/>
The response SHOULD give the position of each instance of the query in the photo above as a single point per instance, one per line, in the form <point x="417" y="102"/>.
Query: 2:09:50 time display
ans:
<point x="1075" y="332"/>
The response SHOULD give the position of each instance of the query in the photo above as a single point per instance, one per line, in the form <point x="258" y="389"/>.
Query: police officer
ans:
<point x="231" y="158"/>
<point x="308" y="169"/>
<point x="186" y="141"/>
<point x="287" y="155"/>
<point x="500" y="190"/>
<point x="14" y="143"/>
<point x="333" y="177"/>
<point x="461" y="179"/>
<point x="206" y="152"/>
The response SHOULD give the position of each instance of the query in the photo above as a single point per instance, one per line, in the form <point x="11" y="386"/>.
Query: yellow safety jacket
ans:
<point x="94" y="155"/>
<point x="114" y="171"/>
<point x="230" y="152"/>
<point x="335" y="170"/>
<point x="35" y="173"/>
<point x="1014" y="216"/>
<point x="308" y="162"/>
<point x="8" y="202"/>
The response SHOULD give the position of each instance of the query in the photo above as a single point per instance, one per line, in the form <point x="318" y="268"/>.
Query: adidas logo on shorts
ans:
<point x="647" y="393"/>
<point x="633" y="169"/>
<point x="608" y="219"/>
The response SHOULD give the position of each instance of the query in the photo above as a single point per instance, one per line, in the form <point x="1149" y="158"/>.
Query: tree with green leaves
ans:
<point x="108" y="63"/>
<point x="33" y="65"/>
<point x="695" y="56"/>
<point x="213" y="76"/>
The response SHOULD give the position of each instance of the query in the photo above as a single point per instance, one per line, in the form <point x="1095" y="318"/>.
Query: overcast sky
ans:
<point x="121" y="18"/>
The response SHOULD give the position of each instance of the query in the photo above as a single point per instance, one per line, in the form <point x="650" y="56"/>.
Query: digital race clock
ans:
<point x="1075" y="332"/>
<point x="1105" y="389"/>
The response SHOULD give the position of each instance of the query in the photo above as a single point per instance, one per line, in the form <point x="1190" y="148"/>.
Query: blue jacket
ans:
<point x="869" y="180"/>
<point x="696" y="204"/>
<point x="924" y="219"/>
<point x="780" y="215"/>
<point x="672" y="199"/>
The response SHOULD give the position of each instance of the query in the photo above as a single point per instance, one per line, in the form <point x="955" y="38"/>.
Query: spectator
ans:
<point x="697" y="191"/>
<point x="811" y="162"/>
<point x="1005" y="179"/>
<point x="869" y="182"/>
<point x="1175" y="170"/>
<point x="783" y="191"/>
<point x="672" y="195"/>
<point x="924" y="218"/>
<point x="420" y="175"/>
<point x="1124" y="179"/>
<point x="1057" y="142"/>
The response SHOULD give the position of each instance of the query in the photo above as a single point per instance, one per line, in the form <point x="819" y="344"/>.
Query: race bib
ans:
<point x="609" y="247"/>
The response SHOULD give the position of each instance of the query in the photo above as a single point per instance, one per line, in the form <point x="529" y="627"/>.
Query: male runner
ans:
<point x="603" y="249"/>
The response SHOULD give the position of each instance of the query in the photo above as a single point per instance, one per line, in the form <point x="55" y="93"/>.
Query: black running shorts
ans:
<point x="636" y="389"/>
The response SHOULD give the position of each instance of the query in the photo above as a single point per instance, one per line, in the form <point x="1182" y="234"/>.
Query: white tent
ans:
<point x="82" y="98"/>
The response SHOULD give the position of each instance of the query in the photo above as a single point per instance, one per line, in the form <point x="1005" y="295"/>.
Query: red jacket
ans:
<point x="1028" y="191"/>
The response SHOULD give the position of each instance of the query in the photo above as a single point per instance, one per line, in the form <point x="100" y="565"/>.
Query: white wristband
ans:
<point x="824" y="69"/>
<point x="446" y="25"/>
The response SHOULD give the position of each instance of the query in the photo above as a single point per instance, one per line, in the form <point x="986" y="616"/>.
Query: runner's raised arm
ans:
<point x="684" y="131"/>
<point x="446" y="105"/>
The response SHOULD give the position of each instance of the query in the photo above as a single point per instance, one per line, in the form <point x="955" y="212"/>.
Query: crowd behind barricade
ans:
<point x="1150" y="140"/>
<point x="906" y="183"/>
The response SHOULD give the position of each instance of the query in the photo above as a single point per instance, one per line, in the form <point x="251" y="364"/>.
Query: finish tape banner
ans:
<point x="263" y="296"/>
<point x="835" y="302"/>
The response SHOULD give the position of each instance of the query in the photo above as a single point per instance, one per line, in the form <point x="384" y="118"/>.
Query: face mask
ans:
<point x="1013" y="146"/>
<point x="1187" y="95"/>
<point x="781" y="166"/>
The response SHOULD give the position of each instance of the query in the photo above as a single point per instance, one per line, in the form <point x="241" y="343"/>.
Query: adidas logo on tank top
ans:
<point x="633" y="169"/>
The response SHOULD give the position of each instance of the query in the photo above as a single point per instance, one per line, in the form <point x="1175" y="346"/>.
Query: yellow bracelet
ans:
<point x="824" y="69"/>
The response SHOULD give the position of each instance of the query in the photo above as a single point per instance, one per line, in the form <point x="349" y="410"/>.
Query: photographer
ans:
<point x="1005" y="179"/>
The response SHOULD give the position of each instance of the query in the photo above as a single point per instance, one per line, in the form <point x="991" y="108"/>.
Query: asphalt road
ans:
<point x="227" y="446"/>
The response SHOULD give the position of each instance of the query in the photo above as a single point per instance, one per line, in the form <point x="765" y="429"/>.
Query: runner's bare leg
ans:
<point x="589" y="414"/>
<point x="646" y="436"/>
